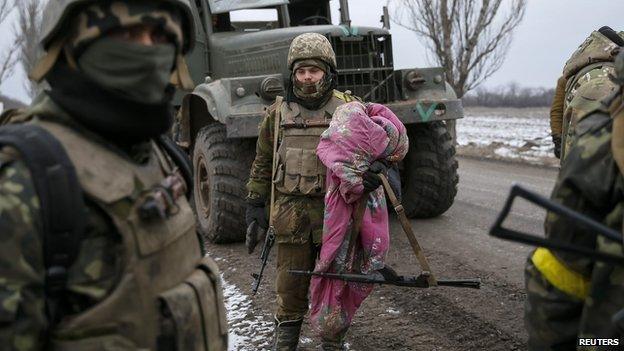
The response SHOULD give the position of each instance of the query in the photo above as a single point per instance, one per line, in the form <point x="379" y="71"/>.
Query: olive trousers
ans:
<point x="292" y="291"/>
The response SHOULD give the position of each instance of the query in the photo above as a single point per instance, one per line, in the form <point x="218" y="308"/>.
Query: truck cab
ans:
<point x="240" y="66"/>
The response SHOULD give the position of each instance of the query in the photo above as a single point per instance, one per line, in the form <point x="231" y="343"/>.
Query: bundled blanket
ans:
<point x="357" y="136"/>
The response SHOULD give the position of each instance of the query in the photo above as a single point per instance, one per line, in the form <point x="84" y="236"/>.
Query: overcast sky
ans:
<point x="550" y="32"/>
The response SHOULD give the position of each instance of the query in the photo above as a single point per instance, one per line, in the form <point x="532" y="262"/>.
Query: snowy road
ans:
<point x="457" y="245"/>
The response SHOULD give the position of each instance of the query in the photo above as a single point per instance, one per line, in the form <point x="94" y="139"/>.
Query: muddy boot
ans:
<point x="286" y="335"/>
<point x="332" y="345"/>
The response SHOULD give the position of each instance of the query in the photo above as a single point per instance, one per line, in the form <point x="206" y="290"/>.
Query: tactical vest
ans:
<point x="167" y="297"/>
<point x="299" y="171"/>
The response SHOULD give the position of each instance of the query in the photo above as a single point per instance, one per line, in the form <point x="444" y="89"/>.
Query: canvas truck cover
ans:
<point x="222" y="6"/>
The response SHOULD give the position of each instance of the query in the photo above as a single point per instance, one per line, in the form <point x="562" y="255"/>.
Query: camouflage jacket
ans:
<point x="556" y="109"/>
<point x="587" y="73"/>
<point x="23" y="319"/>
<point x="297" y="219"/>
<point x="591" y="183"/>
<point x="107" y="258"/>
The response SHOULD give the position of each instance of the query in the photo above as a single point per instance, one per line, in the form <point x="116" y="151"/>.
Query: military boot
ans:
<point x="332" y="345"/>
<point x="287" y="335"/>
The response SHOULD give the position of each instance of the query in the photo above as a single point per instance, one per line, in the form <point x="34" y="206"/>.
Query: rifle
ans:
<point x="594" y="227"/>
<point x="420" y="281"/>
<point x="269" y="240"/>
<point x="387" y="276"/>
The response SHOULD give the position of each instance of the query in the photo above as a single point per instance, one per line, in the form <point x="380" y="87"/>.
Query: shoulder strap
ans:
<point x="276" y="129"/>
<point x="181" y="160"/>
<point x="61" y="202"/>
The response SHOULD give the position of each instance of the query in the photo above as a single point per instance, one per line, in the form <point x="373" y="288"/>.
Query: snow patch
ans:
<point x="521" y="134"/>
<point x="392" y="311"/>
<point x="247" y="332"/>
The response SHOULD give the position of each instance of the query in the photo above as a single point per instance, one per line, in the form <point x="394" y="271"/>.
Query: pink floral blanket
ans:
<point x="358" y="135"/>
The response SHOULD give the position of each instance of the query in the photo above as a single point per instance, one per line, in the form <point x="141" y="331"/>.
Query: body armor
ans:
<point x="167" y="297"/>
<point x="299" y="171"/>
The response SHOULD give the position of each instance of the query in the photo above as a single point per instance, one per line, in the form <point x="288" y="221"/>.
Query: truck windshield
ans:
<point x="250" y="20"/>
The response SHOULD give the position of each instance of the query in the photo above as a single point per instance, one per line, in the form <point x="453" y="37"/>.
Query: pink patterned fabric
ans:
<point x="358" y="135"/>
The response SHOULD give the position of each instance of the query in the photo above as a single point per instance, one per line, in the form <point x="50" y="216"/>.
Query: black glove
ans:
<point x="370" y="178"/>
<point x="557" y="141"/>
<point x="257" y="224"/>
<point x="256" y="212"/>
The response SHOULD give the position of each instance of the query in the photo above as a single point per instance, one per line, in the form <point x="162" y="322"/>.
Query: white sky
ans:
<point x="550" y="32"/>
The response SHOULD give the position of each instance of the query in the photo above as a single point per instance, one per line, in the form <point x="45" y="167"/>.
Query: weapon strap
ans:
<point x="61" y="200"/>
<point x="407" y="229"/>
<point x="276" y="129"/>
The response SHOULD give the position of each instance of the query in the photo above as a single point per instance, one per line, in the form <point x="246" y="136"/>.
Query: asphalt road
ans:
<point x="458" y="246"/>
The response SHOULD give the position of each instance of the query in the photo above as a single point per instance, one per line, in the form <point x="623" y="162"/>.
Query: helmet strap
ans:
<point x="181" y="77"/>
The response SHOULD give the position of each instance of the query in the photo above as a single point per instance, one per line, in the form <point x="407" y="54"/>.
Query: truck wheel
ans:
<point x="221" y="169"/>
<point x="429" y="175"/>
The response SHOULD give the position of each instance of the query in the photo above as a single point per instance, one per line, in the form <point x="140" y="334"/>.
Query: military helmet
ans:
<point x="58" y="12"/>
<point x="311" y="46"/>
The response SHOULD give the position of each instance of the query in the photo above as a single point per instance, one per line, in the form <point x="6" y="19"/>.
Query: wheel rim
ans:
<point x="202" y="184"/>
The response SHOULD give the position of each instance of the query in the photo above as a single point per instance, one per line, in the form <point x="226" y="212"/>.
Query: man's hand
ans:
<point x="257" y="224"/>
<point x="370" y="178"/>
<point x="557" y="141"/>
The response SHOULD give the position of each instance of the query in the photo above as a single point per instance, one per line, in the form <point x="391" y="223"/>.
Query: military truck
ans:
<point x="240" y="65"/>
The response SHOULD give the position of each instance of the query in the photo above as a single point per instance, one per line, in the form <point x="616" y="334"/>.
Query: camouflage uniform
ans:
<point x="587" y="82"/>
<point x="568" y="296"/>
<point x="121" y="292"/>
<point x="556" y="115"/>
<point x="298" y="213"/>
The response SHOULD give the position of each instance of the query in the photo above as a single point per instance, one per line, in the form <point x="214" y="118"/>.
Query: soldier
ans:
<point x="137" y="278"/>
<point x="299" y="180"/>
<point x="556" y="115"/>
<point x="569" y="296"/>
<point x="587" y="80"/>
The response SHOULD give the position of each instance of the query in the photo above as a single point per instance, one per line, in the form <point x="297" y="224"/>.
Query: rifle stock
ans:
<point x="269" y="240"/>
<point x="593" y="227"/>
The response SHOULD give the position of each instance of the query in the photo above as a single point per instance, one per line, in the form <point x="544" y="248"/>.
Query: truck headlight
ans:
<point x="414" y="80"/>
<point x="270" y="88"/>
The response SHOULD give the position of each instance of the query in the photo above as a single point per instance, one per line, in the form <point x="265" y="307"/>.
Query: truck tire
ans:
<point x="429" y="175"/>
<point x="221" y="170"/>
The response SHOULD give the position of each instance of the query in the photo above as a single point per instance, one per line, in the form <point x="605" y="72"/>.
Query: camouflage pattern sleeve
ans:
<point x="556" y="109"/>
<point x="259" y="185"/>
<point x="22" y="310"/>
<point x="585" y="184"/>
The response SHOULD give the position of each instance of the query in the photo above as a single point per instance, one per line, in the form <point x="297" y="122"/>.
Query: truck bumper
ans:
<point x="411" y="111"/>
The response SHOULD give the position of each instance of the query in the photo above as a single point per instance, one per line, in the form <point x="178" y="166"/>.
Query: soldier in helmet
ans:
<point x="586" y="78"/>
<point x="298" y="119"/>
<point x="569" y="296"/>
<point x="133" y="275"/>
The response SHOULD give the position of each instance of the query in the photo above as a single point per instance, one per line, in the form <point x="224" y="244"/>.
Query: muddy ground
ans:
<point x="457" y="245"/>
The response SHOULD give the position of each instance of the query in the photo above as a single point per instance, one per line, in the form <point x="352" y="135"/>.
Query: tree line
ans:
<point x="511" y="95"/>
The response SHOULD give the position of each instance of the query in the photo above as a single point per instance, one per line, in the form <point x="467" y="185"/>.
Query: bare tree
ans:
<point x="28" y="32"/>
<point x="468" y="38"/>
<point x="9" y="58"/>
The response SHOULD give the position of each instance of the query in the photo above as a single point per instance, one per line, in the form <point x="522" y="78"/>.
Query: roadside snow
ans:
<point x="507" y="133"/>
<point x="247" y="332"/>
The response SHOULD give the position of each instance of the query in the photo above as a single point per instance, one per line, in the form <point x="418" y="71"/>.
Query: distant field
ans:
<point x="519" y="134"/>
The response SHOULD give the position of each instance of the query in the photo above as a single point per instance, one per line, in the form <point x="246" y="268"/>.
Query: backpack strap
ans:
<point x="61" y="201"/>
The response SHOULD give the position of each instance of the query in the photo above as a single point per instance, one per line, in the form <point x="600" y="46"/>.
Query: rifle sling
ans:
<point x="407" y="229"/>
